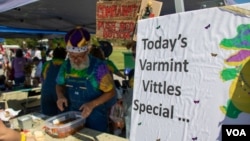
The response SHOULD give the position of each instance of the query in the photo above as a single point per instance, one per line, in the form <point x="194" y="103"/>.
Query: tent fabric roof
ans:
<point x="63" y="15"/>
<point x="57" y="15"/>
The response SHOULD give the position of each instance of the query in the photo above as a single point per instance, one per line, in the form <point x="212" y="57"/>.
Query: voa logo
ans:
<point x="236" y="132"/>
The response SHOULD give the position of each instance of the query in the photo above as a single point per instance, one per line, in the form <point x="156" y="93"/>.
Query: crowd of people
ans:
<point x="78" y="77"/>
<point x="19" y="64"/>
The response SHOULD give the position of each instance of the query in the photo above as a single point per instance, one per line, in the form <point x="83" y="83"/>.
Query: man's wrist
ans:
<point x="94" y="104"/>
<point x="60" y="97"/>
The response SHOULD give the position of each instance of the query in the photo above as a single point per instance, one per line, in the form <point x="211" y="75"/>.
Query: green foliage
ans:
<point x="14" y="42"/>
<point x="30" y="42"/>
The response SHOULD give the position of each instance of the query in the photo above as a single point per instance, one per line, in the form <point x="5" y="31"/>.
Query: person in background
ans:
<point x="107" y="49"/>
<point x="5" y="63"/>
<point x="49" y="73"/>
<point x="27" y="54"/>
<point x="114" y="70"/>
<point x="98" y="52"/>
<point x="38" y="53"/>
<point x="9" y="54"/>
<point x="84" y="83"/>
<point x="49" y="51"/>
<point x="129" y="98"/>
<point x="43" y="54"/>
<point x="17" y="65"/>
<point x="52" y="44"/>
<point x="131" y="45"/>
<point x="38" y="71"/>
<point x="2" y="52"/>
<point x="32" y="51"/>
<point x="4" y="84"/>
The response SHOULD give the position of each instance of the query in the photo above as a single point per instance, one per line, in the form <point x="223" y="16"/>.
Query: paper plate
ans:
<point x="8" y="113"/>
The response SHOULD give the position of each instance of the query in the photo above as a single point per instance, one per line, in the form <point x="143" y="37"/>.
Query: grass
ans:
<point x="117" y="56"/>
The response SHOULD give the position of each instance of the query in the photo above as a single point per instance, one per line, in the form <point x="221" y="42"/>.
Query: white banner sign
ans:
<point x="192" y="75"/>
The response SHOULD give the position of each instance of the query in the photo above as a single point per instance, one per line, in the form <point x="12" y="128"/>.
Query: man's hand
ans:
<point x="61" y="103"/>
<point x="87" y="109"/>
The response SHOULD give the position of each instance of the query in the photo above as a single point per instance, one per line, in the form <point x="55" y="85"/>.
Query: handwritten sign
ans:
<point x="116" y="19"/>
<point x="191" y="75"/>
<point x="117" y="10"/>
<point x="116" y="29"/>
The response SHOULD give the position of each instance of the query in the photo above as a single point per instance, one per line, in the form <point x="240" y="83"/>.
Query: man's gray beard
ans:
<point x="82" y="66"/>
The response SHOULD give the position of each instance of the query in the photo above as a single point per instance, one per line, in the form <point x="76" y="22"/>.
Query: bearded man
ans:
<point x="84" y="82"/>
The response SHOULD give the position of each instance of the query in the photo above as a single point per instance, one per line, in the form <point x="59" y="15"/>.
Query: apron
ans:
<point x="48" y="91"/>
<point x="80" y="91"/>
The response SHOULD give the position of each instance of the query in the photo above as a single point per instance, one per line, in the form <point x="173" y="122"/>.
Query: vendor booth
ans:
<point x="191" y="68"/>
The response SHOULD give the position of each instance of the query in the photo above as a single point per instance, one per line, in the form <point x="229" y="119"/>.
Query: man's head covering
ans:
<point x="77" y="40"/>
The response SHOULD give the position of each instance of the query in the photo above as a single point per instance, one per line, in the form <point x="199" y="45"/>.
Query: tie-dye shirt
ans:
<point x="102" y="79"/>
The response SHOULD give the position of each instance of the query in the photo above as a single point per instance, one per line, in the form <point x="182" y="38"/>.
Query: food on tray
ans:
<point x="65" y="124"/>
<point x="58" y="122"/>
<point x="61" y="133"/>
<point x="8" y="113"/>
<point x="39" y="135"/>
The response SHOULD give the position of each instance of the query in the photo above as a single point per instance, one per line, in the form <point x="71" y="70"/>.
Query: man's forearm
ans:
<point x="60" y="91"/>
<point x="103" y="98"/>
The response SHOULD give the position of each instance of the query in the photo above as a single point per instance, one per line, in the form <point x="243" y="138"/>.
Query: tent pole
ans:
<point x="179" y="6"/>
